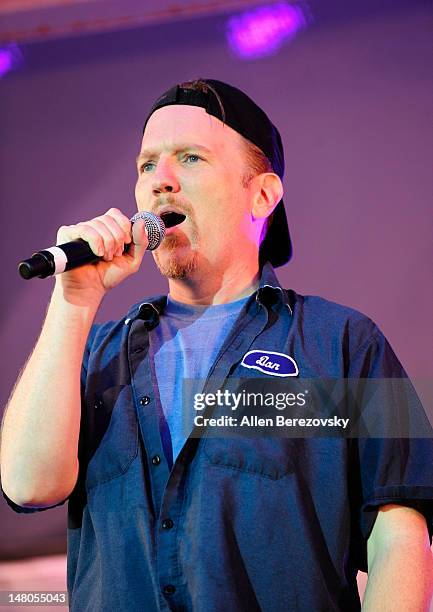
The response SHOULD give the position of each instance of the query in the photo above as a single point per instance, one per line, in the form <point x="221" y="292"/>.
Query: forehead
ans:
<point x="174" y="124"/>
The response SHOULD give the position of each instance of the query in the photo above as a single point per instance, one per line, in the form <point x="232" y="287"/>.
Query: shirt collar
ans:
<point x="268" y="293"/>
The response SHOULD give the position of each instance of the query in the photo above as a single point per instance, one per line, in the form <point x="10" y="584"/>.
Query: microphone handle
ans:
<point x="58" y="259"/>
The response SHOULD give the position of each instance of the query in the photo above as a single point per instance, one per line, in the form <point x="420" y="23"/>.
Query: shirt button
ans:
<point x="156" y="460"/>
<point x="144" y="400"/>
<point x="167" y="524"/>
<point x="168" y="589"/>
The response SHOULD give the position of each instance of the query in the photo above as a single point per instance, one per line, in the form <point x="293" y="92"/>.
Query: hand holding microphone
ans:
<point x="103" y="238"/>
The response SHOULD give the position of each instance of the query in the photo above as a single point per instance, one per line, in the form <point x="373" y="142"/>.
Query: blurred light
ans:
<point x="10" y="58"/>
<point x="261" y="31"/>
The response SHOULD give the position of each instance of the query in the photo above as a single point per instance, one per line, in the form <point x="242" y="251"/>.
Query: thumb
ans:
<point x="139" y="240"/>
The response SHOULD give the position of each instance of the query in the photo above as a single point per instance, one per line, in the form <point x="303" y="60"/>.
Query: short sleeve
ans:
<point x="87" y="352"/>
<point x="389" y="470"/>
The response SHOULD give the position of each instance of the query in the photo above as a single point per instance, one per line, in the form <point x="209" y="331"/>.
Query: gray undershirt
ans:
<point x="185" y="344"/>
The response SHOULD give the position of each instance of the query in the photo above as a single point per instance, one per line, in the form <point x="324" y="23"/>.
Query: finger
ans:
<point x="123" y="221"/>
<point x="117" y="231"/>
<point x="109" y="239"/>
<point x="95" y="233"/>
<point x="88" y="233"/>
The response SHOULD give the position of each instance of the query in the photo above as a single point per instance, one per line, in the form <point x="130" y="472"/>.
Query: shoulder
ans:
<point x="107" y="340"/>
<point x="341" y="334"/>
<point x="328" y="316"/>
<point x="318" y="305"/>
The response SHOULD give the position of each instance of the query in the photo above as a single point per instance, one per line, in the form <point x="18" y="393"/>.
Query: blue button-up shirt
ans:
<point x="244" y="524"/>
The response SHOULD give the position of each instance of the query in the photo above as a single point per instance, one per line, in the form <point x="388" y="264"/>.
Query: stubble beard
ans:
<point x="170" y="260"/>
<point x="175" y="266"/>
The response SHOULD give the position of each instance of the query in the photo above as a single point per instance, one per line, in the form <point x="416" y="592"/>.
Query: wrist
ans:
<point x="86" y="301"/>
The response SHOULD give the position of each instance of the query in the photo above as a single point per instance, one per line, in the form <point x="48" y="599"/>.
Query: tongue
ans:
<point x="172" y="218"/>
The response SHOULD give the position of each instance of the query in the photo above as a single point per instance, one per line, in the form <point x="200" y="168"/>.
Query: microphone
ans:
<point x="76" y="253"/>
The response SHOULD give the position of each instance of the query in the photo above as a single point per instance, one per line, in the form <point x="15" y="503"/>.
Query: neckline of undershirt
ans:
<point x="179" y="310"/>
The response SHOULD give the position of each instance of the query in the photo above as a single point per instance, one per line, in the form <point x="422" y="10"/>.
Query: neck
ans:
<point x="216" y="286"/>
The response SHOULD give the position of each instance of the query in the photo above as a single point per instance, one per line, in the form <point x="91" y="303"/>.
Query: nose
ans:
<point x="165" y="179"/>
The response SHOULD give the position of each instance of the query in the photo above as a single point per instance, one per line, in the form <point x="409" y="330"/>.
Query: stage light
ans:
<point x="10" y="58"/>
<point x="261" y="31"/>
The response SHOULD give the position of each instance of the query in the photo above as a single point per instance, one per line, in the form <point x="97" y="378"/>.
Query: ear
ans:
<point x="268" y="191"/>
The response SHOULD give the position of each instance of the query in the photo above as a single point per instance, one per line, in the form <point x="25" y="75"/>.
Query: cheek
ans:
<point x="221" y="222"/>
<point x="137" y="188"/>
<point x="140" y="193"/>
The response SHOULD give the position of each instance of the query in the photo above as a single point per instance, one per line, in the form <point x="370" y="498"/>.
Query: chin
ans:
<point x="175" y="265"/>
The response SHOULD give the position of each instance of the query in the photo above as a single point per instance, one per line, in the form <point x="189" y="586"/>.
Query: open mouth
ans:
<point x="172" y="218"/>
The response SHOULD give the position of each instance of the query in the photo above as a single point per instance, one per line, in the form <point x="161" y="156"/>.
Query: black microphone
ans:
<point x="76" y="253"/>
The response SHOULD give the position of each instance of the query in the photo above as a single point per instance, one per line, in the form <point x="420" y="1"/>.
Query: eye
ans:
<point x="192" y="158"/>
<point x="146" y="167"/>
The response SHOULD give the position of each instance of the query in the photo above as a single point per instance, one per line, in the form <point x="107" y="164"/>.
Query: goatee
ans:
<point x="175" y="266"/>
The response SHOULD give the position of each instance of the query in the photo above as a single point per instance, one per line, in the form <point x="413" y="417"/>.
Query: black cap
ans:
<point x="234" y="108"/>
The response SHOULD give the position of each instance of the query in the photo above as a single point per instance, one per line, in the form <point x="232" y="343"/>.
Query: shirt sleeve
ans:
<point x="390" y="470"/>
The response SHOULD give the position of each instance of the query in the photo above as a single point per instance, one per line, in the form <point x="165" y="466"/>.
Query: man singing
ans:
<point x="163" y="520"/>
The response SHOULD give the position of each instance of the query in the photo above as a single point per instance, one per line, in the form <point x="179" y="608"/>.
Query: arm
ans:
<point x="400" y="562"/>
<point x="39" y="442"/>
<point x="39" y="464"/>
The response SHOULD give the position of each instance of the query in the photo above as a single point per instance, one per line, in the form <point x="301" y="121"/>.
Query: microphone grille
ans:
<point x="154" y="226"/>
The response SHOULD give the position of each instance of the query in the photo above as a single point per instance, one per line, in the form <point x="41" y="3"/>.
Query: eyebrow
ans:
<point x="150" y="154"/>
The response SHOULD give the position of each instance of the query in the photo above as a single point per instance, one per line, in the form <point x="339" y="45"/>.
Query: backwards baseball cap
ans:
<point x="234" y="108"/>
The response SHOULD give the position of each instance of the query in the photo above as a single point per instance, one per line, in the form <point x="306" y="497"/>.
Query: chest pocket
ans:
<point x="251" y="448"/>
<point x="109" y="442"/>
<point x="271" y="458"/>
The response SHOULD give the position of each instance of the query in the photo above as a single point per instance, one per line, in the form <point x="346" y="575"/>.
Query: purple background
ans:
<point x="352" y="98"/>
